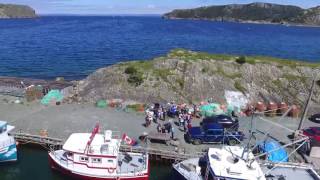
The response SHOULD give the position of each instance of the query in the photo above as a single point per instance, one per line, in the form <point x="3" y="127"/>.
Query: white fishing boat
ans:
<point x="226" y="163"/>
<point x="98" y="156"/>
<point x="220" y="163"/>
<point x="8" y="149"/>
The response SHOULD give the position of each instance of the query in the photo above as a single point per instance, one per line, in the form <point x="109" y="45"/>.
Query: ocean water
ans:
<point x="74" y="46"/>
<point x="33" y="165"/>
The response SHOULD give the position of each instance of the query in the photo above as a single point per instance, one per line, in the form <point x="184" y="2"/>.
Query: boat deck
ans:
<point x="189" y="169"/>
<point x="128" y="165"/>
<point x="287" y="173"/>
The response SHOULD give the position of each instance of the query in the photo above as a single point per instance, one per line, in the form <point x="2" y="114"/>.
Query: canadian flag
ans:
<point x="128" y="140"/>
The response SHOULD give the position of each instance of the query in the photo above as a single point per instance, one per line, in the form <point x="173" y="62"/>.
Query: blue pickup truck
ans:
<point x="213" y="133"/>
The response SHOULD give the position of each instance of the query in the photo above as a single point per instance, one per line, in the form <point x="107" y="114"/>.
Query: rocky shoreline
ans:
<point x="245" y="22"/>
<point x="259" y="12"/>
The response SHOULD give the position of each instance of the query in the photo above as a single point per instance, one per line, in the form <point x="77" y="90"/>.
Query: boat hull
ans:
<point x="9" y="153"/>
<point x="176" y="175"/>
<point x="54" y="165"/>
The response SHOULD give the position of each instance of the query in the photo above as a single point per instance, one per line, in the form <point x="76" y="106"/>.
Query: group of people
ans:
<point x="159" y="112"/>
<point x="166" y="128"/>
<point x="185" y="120"/>
<point x="155" y="113"/>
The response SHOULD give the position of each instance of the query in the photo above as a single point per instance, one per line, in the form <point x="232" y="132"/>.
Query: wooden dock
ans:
<point x="155" y="154"/>
<point x="25" y="138"/>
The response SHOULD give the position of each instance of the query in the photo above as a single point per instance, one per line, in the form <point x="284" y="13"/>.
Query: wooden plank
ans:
<point x="159" y="136"/>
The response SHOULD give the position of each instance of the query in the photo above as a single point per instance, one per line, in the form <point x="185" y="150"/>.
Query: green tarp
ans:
<point x="211" y="109"/>
<point x="52" y="97"/>
<point x="102" y="104"/>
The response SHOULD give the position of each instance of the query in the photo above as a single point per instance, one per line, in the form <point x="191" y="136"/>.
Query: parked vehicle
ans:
<point x="213" y="133"/>
<point x="313" y="133"/>
<point x="315" y="118"/>
<point x="224" y="120"/>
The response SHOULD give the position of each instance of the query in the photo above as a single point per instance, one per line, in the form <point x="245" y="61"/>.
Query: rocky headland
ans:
<point x="187" y="76"/>
<point x="252" y="13"/>
<point x="16" y="11"/>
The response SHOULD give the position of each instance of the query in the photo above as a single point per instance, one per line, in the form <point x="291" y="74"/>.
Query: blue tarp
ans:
<point x="279" y="155"/>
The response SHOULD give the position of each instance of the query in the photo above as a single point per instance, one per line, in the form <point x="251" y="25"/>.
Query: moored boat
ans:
<point x="98" y="157"/>
<point x="221" y="163"/>
<point x="8" y="149"/>
<point x="226" y="163"/>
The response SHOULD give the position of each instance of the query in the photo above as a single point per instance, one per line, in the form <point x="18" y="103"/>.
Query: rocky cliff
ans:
<point x="254" y="12"/>
<point x="186" y="76"/>
<point x="16" y="11"/>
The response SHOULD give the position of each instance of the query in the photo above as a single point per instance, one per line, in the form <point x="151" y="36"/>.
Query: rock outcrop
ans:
<point x="254" y="13"/>
<point x="186" y="76"/>
<point x="16" y="11"/>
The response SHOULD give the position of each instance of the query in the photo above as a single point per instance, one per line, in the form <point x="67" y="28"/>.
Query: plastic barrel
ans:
<point x="295" y="111"/>
<point x="260" y="107"/>
<point x="272" y="109"/>
<point x="283" y="108"/>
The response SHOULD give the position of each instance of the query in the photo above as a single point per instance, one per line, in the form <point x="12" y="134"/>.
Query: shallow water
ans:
<point x="74" y="46"/>
<point x="33" y="165"/>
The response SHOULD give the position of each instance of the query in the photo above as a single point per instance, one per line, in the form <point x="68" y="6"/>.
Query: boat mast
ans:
<point x="305" y="110"/>
<point x="93" y="134"/>
<point x="246" y="149"/>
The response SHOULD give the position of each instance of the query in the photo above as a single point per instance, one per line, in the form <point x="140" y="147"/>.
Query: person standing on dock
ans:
<point x="172" y="132"/>
<point x="159" y="128"/>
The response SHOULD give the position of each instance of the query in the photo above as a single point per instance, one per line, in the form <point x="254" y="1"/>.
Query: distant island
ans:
<point x="16" y="11"/>
<point x="252" y="13"/>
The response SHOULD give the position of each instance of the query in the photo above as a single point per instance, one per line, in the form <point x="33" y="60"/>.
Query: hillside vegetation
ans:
<point x="187" y="76"/>
<point x="254" y="12"/>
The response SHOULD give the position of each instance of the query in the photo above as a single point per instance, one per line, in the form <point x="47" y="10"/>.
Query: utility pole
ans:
<point x="305" y="111"/>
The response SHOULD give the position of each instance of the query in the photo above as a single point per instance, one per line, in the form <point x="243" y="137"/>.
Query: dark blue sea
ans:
<point x="75" y="46"/>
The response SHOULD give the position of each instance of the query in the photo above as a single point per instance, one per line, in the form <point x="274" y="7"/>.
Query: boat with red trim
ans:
<point x="98" y="157"/>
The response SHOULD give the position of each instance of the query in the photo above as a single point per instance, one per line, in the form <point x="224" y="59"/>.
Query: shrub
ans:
<point x="239" y="87"/>
<point x="135" y="79"/>
<point x="241" y="60"/>
<point x="205" y="70"/>
<point x="130" y="70"/>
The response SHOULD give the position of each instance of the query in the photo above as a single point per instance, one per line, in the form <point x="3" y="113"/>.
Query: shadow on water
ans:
<point x="33" y="164"/>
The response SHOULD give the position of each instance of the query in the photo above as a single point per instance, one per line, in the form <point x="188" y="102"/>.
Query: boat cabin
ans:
<point x="5" y="128"/>
<point x="99" y="152"/>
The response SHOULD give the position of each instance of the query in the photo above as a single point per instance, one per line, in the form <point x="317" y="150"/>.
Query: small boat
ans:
<point x="220" y="163"/>
<point x="227" y="163"/>
<point x="8" y="148"/>
<point x="98" y="156"/>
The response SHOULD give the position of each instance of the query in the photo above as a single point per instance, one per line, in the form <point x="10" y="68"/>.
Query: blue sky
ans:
<point x="134" y="6"/>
